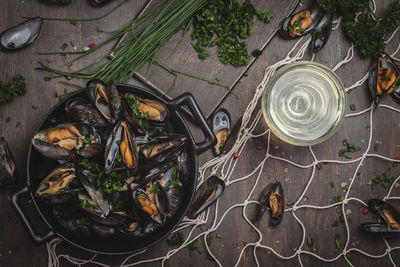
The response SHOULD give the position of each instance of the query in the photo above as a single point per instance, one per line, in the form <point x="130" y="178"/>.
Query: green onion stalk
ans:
<point x="140" y="47"/>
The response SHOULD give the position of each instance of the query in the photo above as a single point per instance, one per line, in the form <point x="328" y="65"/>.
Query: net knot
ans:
<point x="345" y="201"/>
<point x="298" y="252"/>
<point x="389" y="249"/>
<point x="246" y="202"/>
<point x="294" y="208"/>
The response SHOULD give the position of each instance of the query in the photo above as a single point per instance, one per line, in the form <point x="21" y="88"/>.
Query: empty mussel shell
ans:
<point x="207" y="194"/>
<point x="221" y="125"/>
<point x="21" y="35"/>
<point x="78" y="110"/>
<point x="321" y="33"/>
<point x="8" y="175"/>
<point x="99" y="3"/>
<point x="300" y="23"/>
<point x="387" y="212"/>
<point x="383" y="77"/>
<point x="380" y="229"/>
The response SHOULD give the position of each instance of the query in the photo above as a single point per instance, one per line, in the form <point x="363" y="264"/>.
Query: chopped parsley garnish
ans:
<point x="289" y="203"/>
<point x="193" y="247"/>
<point x="310" y="241"/>
<point x="218" y="236"/>
<point x="9" y="91"/>
<point x="338" y="242"/>
<point x="83" y="221"/>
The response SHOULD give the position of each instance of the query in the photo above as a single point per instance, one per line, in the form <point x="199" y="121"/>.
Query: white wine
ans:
<point x="304" y="103"/>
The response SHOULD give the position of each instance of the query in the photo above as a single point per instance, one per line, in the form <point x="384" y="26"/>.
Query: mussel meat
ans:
<point x="383" y="77"/>
<point x="300" y="23"/>
<point x="121" y="147"/>
<point x="59" y="186"/>
<point x="140" y="112"/>
<point x="387" y="212"/>
<point x="276" y="204"/>
<point x="8" y="175"/>
<point x="68" y="141"/>
<point x="207" y="194"/>
<point x="321" y="33"/>
<point x="151" y="201"/>
<point x="21" y="35"/>
<point x="78" y="110"/>
<point x="105" y="98"/>
<point x="221" y="126"/>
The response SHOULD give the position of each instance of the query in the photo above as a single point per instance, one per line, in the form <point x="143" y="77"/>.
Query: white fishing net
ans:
<point x="225" y="167"/>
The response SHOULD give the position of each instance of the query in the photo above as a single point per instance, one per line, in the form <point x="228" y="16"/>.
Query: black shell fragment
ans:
<point x="8" y="175"/>
<point x="21" y="35"/>
<point x="321" y="33"/>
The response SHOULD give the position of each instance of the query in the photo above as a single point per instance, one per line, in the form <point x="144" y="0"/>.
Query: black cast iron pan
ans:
<point x="39" y="166"/>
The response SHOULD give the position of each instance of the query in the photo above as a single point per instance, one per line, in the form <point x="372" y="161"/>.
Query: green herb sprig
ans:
<point x="10" y="90"/>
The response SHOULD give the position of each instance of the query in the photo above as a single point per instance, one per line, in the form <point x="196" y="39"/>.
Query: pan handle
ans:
<point x="14" y="198"/>
<point x="188" y="100"/>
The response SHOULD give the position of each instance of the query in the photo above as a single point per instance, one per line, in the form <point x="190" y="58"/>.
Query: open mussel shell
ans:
<point x="170" y="181"/>
<point x="59" y="186"/>
<point x="383" y="77"/>
<point x="121" y="148"/>
<point x="105" y="98"/>
<point x="143" y="113"/>
<point x="8" y="175"/>
<point x="264" y="202"/>
<point x="21" y="35"/>
<point x="151" y="201"/>
<point x="162" y="145"/>
<point x="99" y="3"/>
<point x="276" y="204"/>
<point x="321" y="33"/>
<point x="207" y="194"/>
<point x="78" y="110"/>
<point x="301" y="23"/>
<point x="386" y="211"/>
<point x="221" y="126"/>
<point x="68" y="141"/>
<point x="231" y="139"/>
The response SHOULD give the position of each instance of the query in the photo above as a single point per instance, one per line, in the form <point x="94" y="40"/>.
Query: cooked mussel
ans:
<point x="276" y="203"/>
<point x="230" y="139"/>
<point x="21" y="35"/>
<point x="151" y="200"/>
<point x="105" y="98"/>
<point x="121" y="148"/>
<point x="8" y="175"/>
<point x="141" y="112"/>
<point x="78" y="110"/>
<point x="264" y="202"/>
<point x="171" y="183"/>
<point x="383" y="77"/>
<point x="380" y="229"/>
<point x="68" y="141"/>
<point x="300" y="23"/>
<point x="321" y="33"/>
<point x="60" y="185"/>
<point x="207" y="194"/>
<point x="386" y="212"/>
<point x="221" y="126"/>
<point x="161" y="145"/>
<point x="102" y="230"/>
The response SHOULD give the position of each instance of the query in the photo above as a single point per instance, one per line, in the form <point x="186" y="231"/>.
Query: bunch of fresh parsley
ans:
<point x="224" y="23"/>
<point x="9" y="91"/>
<point x="362" y="26"/>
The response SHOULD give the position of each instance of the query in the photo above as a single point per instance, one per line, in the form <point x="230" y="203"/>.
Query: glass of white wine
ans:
<point x="304" y="103"/>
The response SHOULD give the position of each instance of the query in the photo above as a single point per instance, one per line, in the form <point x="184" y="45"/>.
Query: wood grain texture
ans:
<point x="16" y="248"/>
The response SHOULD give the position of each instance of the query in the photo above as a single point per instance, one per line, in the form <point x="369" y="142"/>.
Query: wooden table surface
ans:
<point x="16" y="248"/>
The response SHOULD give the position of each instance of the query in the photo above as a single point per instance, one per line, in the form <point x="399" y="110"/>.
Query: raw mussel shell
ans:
<point x="121" y="146"/>
<point x="99" y="3"/>
<point x="207" y="194"/>
<point x="68" y="142"/>
<point x="378" y="72"/>
<point x="8" y="175"/>
<point x="221" y="125"/>
<point x="21" y="35"/>
<point x="78" y="110"/>
<point x="321" y="33"/>
<point x="315" y="14"/>
<point x="380" y="229"/>
<point x="60" y="185"/>
<point x="389" y="213"/>
<point x="105" y="98"/>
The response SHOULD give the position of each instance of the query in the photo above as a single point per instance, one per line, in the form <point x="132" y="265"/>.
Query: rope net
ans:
<point x="225" y="166"/>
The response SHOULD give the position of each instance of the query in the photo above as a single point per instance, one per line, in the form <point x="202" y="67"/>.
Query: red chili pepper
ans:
<point x="319" y="166"/>
<point x="92" y="45"/>
<point x="259" y="146"/>
<point x="235" y="155"/>
<point x="365" y="211"/>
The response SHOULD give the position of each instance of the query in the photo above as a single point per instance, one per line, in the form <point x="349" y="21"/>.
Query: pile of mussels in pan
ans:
<point x="122" y="167"/>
